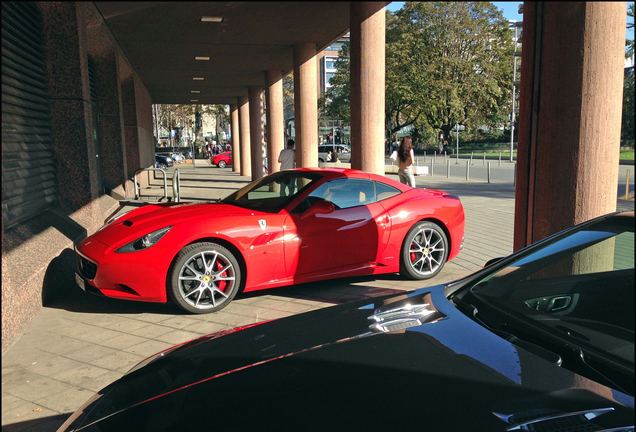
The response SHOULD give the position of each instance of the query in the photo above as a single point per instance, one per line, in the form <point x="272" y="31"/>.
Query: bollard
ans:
<point x="488" y="170"/>
<point x="447" y="169"/>
<point x="445" y="157"/>
<point x="457" y="159"/>
<point x="432" y="165"/>
<point x="627" y="187"/>
<point x="471" y="158"/>
<point x="435" y="157"/>
<point x="484" y="158"/>
<point x="499" y="158"/>
<point x="514" y="178"/>
<point x="467" y="170"/>
<point x="424" y="157"/>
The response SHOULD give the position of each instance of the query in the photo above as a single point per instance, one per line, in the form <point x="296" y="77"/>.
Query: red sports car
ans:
<point x="223" y="159"/>
<point x="290" y="227"/>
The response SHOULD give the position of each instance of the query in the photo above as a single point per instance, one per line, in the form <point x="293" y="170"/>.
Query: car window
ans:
<point x="580" y="286"/>
<point x="343" y="193"/>
<point x="274" y="192"/>
<point x="384" y="191"/>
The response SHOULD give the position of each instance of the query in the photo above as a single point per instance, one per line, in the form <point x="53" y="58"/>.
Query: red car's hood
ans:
<point x="156" y="216"/>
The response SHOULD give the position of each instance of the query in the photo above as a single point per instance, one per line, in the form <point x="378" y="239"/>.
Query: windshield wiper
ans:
<point x="535" y="349"/>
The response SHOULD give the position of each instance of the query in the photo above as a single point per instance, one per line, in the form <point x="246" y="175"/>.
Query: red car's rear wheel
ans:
<point x="222" y="164"/>
<point x="204" y="277"/>
<point x="424" y="251"/>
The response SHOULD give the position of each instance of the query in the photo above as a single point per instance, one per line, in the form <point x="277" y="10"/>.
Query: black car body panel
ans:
<point x="163" y="160"/>
<point x="339" y="368"/>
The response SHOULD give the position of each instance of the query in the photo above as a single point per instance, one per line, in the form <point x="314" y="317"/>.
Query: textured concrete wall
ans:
<point x="72" y="31"/>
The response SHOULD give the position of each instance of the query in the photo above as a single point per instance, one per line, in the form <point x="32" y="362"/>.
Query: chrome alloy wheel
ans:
<point x="424" y="251"/>
<point x="207" y="280"/>
<point x="427" y="251"/>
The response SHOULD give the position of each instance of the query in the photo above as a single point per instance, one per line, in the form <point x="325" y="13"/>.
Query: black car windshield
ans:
<point x="578" y="287"/>
<point x="272" y="193"/>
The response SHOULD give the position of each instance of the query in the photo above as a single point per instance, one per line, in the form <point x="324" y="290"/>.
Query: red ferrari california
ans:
<point x="222" y="160"/>
<point x="290" y="227"/>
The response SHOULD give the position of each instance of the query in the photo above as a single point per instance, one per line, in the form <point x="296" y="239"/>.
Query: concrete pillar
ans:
<point x="275" y="118"/>
<point x="306" y="105"/>
<point x="244" y="132"/>
<point x="569" y="115"/>
<point x="367" y="86"/>
<point x="74" y="150"/>
<point x="236" y="139"/>
<point x="257" y="140"/>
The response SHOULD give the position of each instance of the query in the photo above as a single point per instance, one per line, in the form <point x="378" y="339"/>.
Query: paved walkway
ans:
<point x="80" y="343"/>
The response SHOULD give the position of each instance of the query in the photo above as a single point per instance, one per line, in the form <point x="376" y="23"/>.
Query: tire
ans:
<point x="424" y="251"/>
<point x="163" y="165"/>
<point x="222" y="164"/>
<point x="198" y="289"/>
<point x="320" y="160"/>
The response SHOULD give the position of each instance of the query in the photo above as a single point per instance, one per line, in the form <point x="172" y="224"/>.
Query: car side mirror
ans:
<point x="321" y="207"/>
<point x="492" y="261"/>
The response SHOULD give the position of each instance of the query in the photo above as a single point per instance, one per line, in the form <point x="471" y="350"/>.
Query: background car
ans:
<point x="290" y="227"/>
<point x="222" y="160"/>
<point x="500" y="350"/>
<point x="163" y="161"/>
<point x="343" y="156"/>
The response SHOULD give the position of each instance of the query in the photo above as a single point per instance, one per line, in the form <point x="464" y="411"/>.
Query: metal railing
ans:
<point x="176" y="184"/>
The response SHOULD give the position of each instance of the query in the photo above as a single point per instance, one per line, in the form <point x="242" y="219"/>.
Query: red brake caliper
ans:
<point x="222" y="284"/>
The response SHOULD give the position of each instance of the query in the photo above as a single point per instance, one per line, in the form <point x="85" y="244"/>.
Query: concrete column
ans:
<point x="236" y="139"/>
<point x="306" y="105"/>
<point x="275" y="118"/>
<point x="244" y="132"/>
<point x="257" y="140"/>
<point x="74" y="150"/>
<point x="367" y="86"/>
<point x="569" y="115"/>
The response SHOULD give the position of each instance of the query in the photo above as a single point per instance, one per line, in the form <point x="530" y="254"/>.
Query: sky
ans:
<point x="510" y="9"/>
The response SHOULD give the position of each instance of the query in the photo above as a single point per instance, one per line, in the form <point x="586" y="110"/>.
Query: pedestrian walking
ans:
<point x="406" y="158"/>
<point x="287" y="160"/>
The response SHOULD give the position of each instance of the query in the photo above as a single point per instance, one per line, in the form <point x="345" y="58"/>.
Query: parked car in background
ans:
<point x="344" y="152"/>
<point x="162" y="161"/>
<point x="287" y="228"/>
<point x="542" y="340"/>
<point x="222" y="160"/>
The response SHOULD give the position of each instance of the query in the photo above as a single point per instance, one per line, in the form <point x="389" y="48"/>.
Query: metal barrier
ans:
<point x="165" y="182"/>
<point x="176" y="186"/>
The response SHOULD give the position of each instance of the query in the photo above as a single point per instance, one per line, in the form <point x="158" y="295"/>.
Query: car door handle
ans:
<point x="559" y="303"/>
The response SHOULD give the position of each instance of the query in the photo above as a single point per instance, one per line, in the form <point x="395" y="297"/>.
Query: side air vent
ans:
<point x="406" y="316"/>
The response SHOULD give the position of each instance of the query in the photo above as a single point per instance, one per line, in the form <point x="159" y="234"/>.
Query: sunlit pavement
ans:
<point x="79" y="343"/>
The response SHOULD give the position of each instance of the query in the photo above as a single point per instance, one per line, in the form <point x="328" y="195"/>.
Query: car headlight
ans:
<point x="144" y="242"/>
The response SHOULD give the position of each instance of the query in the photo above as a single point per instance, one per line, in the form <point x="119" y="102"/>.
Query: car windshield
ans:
<point x="577" y="289"/>
<point x="272" y="193"/>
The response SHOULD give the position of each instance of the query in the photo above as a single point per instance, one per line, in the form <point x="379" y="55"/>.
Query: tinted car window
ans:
<point x="384" y="191"/>
<point x="343" y="193"/>
<point x="579" y="287"/>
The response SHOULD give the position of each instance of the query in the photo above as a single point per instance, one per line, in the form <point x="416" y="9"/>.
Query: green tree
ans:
<point x="448" y="63"/>
<point x="336" y="103"/>
<point x="629" y="43"/>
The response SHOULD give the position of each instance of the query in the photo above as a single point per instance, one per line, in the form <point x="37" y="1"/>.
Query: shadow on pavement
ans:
<point x="60" y="291"/>
<point x="46" y="424"/>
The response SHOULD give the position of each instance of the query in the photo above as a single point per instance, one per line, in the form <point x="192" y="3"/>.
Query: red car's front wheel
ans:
<point x="204" y="278"/>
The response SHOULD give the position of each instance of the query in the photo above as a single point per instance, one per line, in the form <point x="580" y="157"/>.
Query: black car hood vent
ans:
<point x="544" y="420"/>
<point x="127" y="223"/>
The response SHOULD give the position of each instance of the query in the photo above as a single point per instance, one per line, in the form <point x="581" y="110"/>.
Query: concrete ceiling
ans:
<point x="162" y="39"/>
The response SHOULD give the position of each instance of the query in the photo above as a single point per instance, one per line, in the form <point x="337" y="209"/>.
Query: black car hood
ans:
<point x="408" y="361"/>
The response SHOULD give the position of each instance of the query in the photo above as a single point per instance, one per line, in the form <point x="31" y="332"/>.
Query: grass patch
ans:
<point x="627" y="155"/>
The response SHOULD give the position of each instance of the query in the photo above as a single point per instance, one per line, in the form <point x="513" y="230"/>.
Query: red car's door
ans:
<point x="350" y="237"/>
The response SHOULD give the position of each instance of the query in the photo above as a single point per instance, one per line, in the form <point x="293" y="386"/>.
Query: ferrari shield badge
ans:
<point x="262" y="223"/>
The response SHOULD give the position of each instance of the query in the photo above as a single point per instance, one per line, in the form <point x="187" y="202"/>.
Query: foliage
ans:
<point x="336" y="103"/>
<point x="448" y="63"/>
<point x="627" y="128"/>
<point x="171" y="116"/>
<point x="629" y="43"/>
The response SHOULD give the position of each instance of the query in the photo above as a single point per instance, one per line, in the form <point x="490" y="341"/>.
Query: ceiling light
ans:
<point x="197" y="79"/>
<point x="202" y="58"/>
<point x="195" y="91"/>
<point x="211" y="19"/>
<point x="194" y="100"/>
